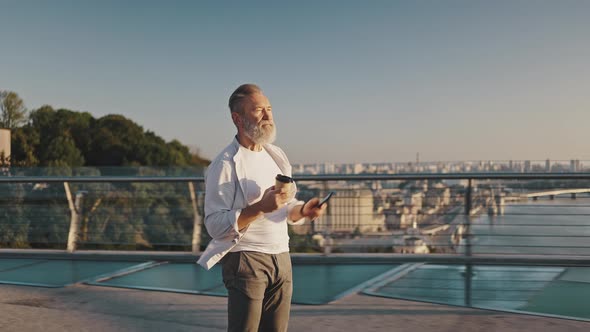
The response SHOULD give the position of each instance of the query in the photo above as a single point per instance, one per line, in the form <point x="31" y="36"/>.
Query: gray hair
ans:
<point x="243" y="91"/>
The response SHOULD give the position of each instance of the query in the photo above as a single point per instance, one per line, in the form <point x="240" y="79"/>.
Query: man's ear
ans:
<point x="236" y="119"/>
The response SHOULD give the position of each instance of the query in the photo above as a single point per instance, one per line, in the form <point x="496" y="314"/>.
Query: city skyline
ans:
<point x="433" y="167"/>
<point x="349" y="82"/>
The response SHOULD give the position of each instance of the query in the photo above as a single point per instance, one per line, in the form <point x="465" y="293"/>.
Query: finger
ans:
<point x="320" y="209"/>
<point x="314" y="200"/>
<point x="313" y="203"/>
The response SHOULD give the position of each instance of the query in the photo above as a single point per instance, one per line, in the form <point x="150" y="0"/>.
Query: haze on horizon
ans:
<point x="349" y="81"/>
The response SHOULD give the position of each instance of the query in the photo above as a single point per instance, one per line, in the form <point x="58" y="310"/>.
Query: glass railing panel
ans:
<point x="372" y="214"/>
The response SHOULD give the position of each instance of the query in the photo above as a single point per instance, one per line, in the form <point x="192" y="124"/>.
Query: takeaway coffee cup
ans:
<point x="283" y="181"/>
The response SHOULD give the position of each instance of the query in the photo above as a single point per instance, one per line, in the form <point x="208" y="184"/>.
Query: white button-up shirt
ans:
<point x="226" y="183"/>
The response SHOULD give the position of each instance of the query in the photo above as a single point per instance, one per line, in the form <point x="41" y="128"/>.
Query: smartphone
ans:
<point x="325" y="199"/>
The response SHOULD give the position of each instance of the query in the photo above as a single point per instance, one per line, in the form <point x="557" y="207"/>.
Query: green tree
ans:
<point x="62" y="151"/>
<point x="12" y="110"/>
<point x="24" y="141"/>
<point x="115" y="139"/>
<point x="140" y="215"/>
<point x="67" y="132"/>
<point x="78" y="139"/>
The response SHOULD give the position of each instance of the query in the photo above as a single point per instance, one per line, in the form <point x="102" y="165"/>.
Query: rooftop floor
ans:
<point x="90" y="308"/>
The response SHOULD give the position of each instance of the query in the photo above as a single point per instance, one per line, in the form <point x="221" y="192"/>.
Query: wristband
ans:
<point x="301" y="210"/>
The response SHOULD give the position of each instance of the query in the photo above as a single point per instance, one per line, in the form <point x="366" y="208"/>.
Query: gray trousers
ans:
<point x="259" y="290"/>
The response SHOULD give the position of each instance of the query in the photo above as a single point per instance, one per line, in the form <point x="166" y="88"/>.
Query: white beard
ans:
<point x="260" y="134"/>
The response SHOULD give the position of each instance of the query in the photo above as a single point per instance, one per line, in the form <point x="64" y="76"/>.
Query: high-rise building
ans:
<point x="575" y="165"/>
<point x="5" y="146"/>
<point x="349" y="210"/>
<point x="527" y="166"/>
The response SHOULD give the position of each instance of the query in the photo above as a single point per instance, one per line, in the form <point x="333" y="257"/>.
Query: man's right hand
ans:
<point x="273" y="200"/>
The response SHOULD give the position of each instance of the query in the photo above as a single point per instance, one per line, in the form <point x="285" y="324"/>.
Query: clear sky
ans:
<point x="350" y="81"/>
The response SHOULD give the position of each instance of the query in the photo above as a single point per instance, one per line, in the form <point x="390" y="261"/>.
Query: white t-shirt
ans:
<point x="268" y="233"/>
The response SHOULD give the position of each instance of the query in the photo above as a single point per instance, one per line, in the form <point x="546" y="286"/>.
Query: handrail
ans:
<point x="445" y="176"/>
<point x="95" y="179"/>
<point x="305" y="177"/>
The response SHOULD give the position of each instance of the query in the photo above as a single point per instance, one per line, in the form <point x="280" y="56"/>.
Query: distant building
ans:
<point x="358" y="168"/>
<point x="328" y="168"/>
<point x="415" y="199"/>
<point x="575" y="165"/>
<point x="350" y="210"/>
<point x="438" y="197"/>
<point x="297" y="169"/>
<point x="527" y="166"/>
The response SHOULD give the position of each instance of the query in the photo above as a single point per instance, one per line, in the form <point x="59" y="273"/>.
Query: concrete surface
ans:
<point x="94" y="308"/>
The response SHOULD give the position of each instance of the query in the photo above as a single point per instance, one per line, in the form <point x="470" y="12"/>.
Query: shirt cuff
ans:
<point x="293" y="205"/>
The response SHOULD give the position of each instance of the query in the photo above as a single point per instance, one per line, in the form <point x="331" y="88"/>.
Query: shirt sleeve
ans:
<point x="221" y="219"/>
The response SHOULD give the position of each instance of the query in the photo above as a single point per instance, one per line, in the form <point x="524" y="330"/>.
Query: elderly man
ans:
<point x="247" y="216"/>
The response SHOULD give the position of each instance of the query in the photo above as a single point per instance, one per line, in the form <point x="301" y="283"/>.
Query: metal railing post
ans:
<point x="196" y="242"/>
<point x="328" y="242"/>
<point x="467" y="235"/>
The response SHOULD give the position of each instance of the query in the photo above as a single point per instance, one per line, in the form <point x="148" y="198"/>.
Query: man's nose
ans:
<point x="266" y="114"/>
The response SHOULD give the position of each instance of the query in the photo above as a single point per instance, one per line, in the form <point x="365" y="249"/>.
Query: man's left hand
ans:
<point x="312" y="210"/>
